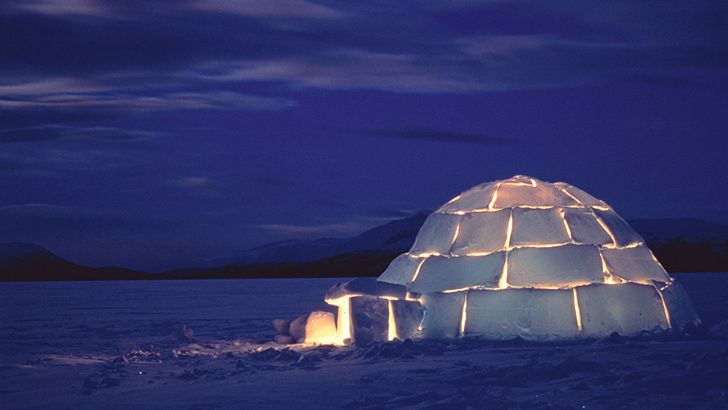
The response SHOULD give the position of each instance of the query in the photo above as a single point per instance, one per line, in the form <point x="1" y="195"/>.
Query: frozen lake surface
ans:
<point x="202" y="344"/>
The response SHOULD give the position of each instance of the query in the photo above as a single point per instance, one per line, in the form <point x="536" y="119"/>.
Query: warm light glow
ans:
<point x="343" y="320"/>
<point x="493" y="209"/>
<point x="480" y="210"/>
<point x="408" y="296"/>
<point x="453" y="200"/>
<point x="607" y="276"/>
<point x="571" y="196"/>
<point x="614" y="280"/>
<point x="577" y="310"/>
<point x="540" y="245"/>
<point x="533" y="182"/>
<point x="542" y="206"/>
<point x="600" y="208"/>
<point x="503" y="281"/>
<point x="427" y="254"/>
<point x="495" y="196"/>
<point x="463" y="315"/>
<point x="566" y="225"/>
<point x="607" y="230"/>
<point x="343" y="327"/>
<point x="510" y="247"/>
<point x="605" y="269"/>
<point x="609" y="279"/>
<point x="460" y="289"/>
<point x="392" y="333"/>
<point x="477" y="254"/>
<point x="417" y="271"/>
<point x="455" y="236"/>
<point x="321" y="329"/>
<point x="511" y="183"/>
<point x="664" y="309"/>
<point x="509" y="231"/>
<point x="520" y="246"/>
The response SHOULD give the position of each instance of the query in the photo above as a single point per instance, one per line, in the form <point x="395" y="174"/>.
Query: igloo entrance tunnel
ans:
<point x="516" y="258"/>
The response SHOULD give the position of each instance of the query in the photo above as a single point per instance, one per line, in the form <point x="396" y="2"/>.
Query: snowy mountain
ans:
<point x="393" y="237"/>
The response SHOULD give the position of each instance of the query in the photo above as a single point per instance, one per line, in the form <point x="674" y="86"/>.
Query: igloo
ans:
<point x="513" y="258"/>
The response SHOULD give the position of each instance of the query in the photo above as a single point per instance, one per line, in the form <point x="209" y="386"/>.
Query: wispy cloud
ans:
<point x="501" y="46"/>
<point x="69" y="94"/>
<point x="200" y="186"/>
<point x="193" y="182"/>
<point x="265" y="8"/>
<point x="350" y="69"/>
<point x="63" y="7"/>
<point x="31" y="87"/>
<point x="423" y="134"/>
<point x="295" y="9"/>
<point x="54" y="132"/>
<point x="440" y="51"/>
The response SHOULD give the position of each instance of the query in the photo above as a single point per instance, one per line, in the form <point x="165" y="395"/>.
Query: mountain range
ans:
<point x="393" y="237"/>
<point x="681" y="244"/>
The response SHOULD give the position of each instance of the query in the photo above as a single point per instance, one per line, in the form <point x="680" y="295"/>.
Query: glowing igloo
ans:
<point x="517" y="258"/>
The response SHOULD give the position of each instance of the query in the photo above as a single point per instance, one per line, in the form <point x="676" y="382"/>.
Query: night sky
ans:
<point x="157" y="136"/>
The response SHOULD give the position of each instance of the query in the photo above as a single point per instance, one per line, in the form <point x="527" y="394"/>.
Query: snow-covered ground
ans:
<point x="207" y="344"/>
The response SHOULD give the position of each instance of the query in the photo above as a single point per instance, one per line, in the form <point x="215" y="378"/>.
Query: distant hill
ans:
<point x="681" y="245"/>
<point x="30" y="262"/>
<point x="344" y="265"/>
<point x="689" y="229"/>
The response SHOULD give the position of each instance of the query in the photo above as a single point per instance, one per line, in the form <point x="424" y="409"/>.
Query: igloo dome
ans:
<point x="518" y="258"/>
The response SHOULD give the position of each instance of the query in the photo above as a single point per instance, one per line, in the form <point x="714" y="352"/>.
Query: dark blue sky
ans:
<point x="158" y="136"/>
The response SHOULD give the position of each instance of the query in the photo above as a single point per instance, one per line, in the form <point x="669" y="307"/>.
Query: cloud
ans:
<point x="501" y="46"/>
<point x="267" y="8"/>
<point x="422" y="134"/>
<point x="194" y="182"/>
<point x="453" y="48"/>
<point x="292" y="9"/>
<point x="63" y="7"/>
<point x="47" y="86"/>
<point x="201" y="186"/>
<point x="63" y="94"/>
<point x="350" y="69"/>
<point x="151" y="43"/>
<point x="467" y="65"/>
<point x="55" y="132"/>
<point x="51" y="109"/>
